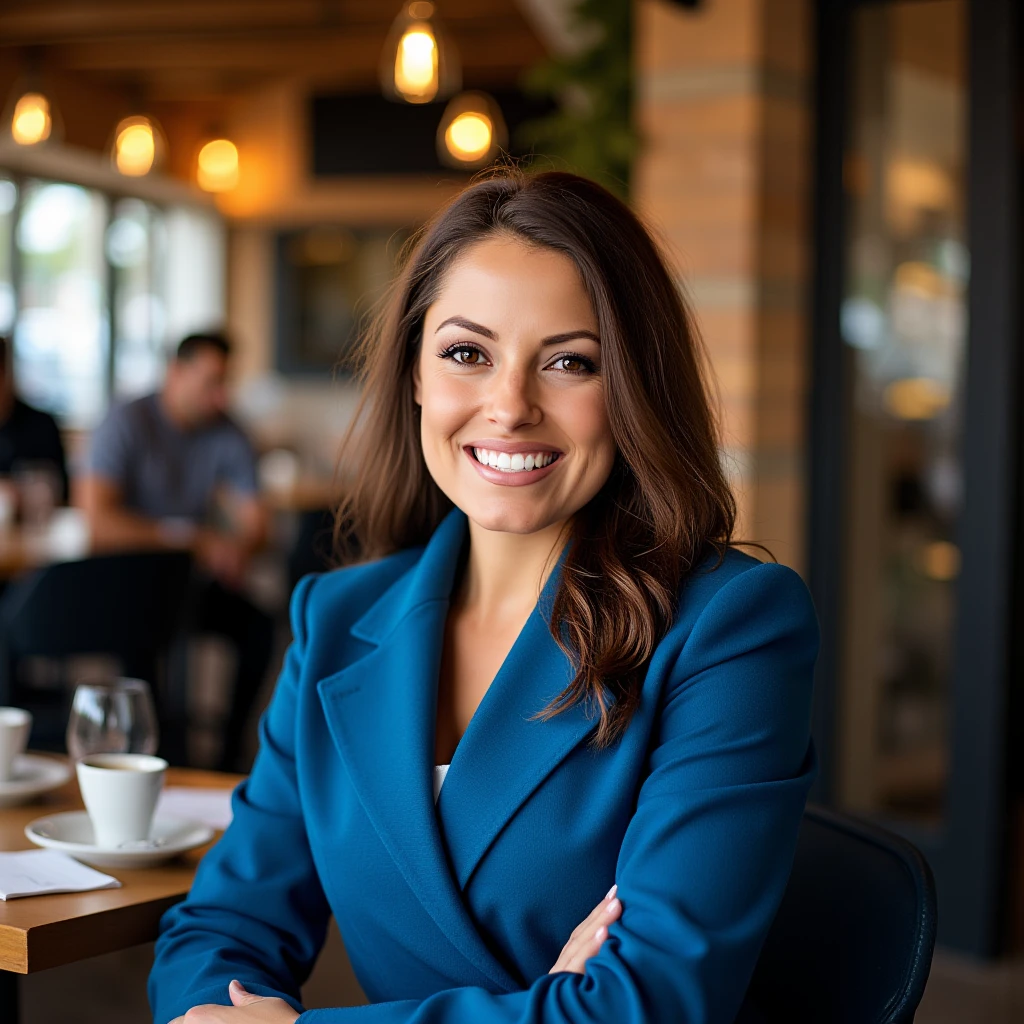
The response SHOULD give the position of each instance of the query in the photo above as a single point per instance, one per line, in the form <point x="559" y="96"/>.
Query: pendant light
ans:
<point x="30" y="117"/>
<point x="472" y="131"/>
<point x="138" y="145"/>
<point x="419" y="63"/>
<point x="31" y="122"/>
<point x="217" y="166"/>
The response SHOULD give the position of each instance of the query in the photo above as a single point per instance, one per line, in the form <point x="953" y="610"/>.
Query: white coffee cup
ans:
<point x="120" y="793"/>
<point x="15" y="725"/>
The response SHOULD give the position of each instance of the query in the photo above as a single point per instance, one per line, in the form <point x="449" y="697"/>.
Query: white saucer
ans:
<point x="71" y="833"/>
<point x="33" y="775"/>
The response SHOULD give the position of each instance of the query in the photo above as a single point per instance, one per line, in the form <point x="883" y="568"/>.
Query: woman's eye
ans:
<point x="574" y="364"/>
<point x="464" y="354"/>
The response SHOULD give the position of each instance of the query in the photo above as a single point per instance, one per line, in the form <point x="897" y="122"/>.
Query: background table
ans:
<point x="38" y="932"/>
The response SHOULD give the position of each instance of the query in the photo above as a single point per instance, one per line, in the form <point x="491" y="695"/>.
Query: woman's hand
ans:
<point x="245" y="1008"/>
<point x="588" y="937"/>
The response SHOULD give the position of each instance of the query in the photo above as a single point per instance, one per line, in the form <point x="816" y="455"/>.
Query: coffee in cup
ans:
<point x="15" y="726"/>
<point x="120" y="792"/>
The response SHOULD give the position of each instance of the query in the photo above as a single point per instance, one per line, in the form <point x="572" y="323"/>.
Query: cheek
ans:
<point x="446" y="402"/>
<point x="586" y="422"/>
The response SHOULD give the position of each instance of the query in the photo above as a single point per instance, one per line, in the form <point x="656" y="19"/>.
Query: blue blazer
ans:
<point x="455" y="913"/>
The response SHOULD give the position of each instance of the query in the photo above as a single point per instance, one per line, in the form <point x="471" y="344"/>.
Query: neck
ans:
<point x="506" y="572"/>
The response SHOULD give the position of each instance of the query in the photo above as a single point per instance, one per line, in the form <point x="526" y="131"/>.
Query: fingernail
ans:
<point x="236" y="983"/>
<point x="613" y="906"/>
<point x="601" y="932"/>
<point x="611" y="891"/>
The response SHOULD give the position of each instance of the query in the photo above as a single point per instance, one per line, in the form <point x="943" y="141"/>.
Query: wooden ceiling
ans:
<point x="181" y="51"/>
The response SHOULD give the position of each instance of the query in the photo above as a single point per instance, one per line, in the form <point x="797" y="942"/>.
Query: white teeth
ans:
<point x="517" y="463"/>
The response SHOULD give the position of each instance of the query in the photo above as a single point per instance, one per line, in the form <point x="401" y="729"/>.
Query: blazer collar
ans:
<point x="382" y="713"/>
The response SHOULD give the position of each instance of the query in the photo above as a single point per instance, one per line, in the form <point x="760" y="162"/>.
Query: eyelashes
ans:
<point x="588" y="366"/>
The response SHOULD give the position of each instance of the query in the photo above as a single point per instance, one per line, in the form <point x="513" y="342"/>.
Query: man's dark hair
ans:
<point x="195" y="343"/>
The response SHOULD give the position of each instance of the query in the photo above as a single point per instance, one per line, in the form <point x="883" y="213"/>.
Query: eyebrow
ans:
<point x="486" y="332"/>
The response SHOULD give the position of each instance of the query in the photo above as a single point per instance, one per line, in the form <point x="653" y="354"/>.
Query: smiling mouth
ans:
<point x="520" y="462"/>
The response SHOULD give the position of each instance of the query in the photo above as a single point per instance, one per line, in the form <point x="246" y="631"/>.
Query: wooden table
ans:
<point x="37" y="932"/>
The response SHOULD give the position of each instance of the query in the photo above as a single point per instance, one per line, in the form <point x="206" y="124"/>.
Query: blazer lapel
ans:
<point x="503" y="755"/>
<point x="382" y="714"/>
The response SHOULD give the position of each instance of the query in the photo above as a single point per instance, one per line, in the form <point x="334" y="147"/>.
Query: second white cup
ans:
<point x="120" y="792"/>
<point x="15" y="726"/>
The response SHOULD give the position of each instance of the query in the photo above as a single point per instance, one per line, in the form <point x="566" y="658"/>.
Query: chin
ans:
<point x="509" y="517"/>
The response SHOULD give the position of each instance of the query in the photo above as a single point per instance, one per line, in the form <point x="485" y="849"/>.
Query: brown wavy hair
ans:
<point x="666" y="504"/>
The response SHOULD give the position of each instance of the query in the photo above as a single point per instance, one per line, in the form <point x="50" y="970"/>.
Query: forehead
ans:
<point x="207" y="361"/>
<point x="504" y="279"/>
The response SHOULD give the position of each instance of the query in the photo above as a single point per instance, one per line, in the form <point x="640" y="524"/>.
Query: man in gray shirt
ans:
<point x="172" y="469"/>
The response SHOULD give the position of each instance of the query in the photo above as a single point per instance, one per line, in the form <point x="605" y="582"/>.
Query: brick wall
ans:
<point x="723" y="105"/>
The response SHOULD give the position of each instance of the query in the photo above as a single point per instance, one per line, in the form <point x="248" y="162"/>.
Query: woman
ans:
<point x="552" y="606"/>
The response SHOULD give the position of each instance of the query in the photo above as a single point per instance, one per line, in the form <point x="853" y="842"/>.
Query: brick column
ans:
<point x="723" y="105"/>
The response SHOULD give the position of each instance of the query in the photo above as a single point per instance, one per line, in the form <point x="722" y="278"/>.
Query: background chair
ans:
<point x="852" y="942"/>
<point x="128" y="606"/>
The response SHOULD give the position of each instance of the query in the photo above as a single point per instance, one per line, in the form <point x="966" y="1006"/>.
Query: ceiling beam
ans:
<point x="40" y="22"/>
<point x="278" y="53"/>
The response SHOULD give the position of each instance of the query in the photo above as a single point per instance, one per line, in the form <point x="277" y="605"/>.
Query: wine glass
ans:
<point x="116" y="717"/>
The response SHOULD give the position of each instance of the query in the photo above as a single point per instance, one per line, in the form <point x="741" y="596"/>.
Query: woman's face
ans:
<point x="508" y="377"/>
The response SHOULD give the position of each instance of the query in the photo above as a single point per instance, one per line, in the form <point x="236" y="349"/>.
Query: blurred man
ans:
<point x="28" y="436"/>
<point x="172" y="469"/>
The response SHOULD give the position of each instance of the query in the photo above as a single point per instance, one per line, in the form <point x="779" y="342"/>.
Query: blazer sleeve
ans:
<point x="233" y="924"/>
<point x="708" y="851"/>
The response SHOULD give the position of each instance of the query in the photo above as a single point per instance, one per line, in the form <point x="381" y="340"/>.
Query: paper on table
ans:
<point x="35" y="872"/>
<point x="210" y="806"/>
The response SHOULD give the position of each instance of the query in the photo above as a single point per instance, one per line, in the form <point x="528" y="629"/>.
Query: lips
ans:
<point x="503" y="478"/>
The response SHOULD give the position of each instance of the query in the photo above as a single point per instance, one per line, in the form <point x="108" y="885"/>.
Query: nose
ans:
<point x="511" y="402"/>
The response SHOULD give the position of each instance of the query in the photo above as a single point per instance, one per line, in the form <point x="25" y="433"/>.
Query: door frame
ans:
<point x="968" y="853"/>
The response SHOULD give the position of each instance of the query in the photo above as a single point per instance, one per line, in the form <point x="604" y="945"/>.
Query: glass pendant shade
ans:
<point x="217" y="169"/>
<point x="138" y="145"/>
<point x="31" y="120"/>
<point x="472" y="131"/>
<point x="419" y="63"/>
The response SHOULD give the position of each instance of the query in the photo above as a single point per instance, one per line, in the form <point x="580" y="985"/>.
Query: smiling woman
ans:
<point x="549" y="603"/>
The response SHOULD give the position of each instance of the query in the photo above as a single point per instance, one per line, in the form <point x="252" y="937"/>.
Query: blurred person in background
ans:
<point x="173" y="470"/>
<point x="29" y="437"/>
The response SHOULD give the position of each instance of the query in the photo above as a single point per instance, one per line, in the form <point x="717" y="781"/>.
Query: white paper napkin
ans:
<point x="36" y="872"/>
<point x="210" y="806"/>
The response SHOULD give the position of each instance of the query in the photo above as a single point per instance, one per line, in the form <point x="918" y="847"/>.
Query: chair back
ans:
<point x="127" y="605"/>
<point x="852" y="941"/>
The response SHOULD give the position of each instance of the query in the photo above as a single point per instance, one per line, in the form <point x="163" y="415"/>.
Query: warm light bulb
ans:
<point x="416" y="76"/>
<point x="218" y="166"/>
<point x="469" y="136"/>
<point x="31" y="122"/>
<point x="471" y="132"/>
<point x="135" y="147"/>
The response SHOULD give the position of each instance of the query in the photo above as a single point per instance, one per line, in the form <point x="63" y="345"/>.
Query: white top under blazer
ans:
<point x="440" y="771"/>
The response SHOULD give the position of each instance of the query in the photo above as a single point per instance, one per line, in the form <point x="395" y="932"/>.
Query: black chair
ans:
<point x="852" y="942"/>
<point x="127" y="606"/>
<point x="311" y="549"/>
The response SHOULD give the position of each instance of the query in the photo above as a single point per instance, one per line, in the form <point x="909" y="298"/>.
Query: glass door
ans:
<point x="903" y="320"/>
<point x="914" y="439"/>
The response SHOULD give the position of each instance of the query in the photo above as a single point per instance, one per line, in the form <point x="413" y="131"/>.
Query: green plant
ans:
<point x="592" y="130"/>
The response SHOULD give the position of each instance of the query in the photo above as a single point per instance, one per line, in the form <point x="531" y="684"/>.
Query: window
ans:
<point x="95" y="289"/>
